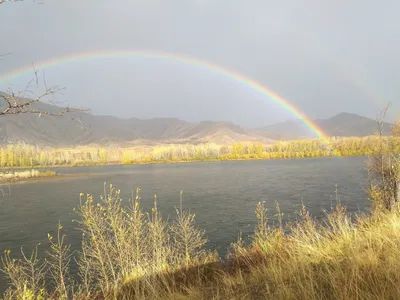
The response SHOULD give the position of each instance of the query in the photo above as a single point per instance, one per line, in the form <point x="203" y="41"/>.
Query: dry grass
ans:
<point x="337" y="259"/>
<point x="21" y="175"/>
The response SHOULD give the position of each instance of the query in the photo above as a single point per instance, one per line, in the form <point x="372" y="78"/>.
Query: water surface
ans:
<point x="223" y="195"/>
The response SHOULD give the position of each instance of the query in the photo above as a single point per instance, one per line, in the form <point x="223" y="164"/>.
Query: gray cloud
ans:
<point x="324" y="57"/>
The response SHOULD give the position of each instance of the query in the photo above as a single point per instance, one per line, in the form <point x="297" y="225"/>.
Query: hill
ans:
<point x="81" y="129"/>
<point x="343" y="124"/>
<point x="78" y="129"/>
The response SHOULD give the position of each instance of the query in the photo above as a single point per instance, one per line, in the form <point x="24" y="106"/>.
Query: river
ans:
<point x="223" y="195"/>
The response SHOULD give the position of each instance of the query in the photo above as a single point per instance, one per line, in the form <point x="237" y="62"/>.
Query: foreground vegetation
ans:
<point x="21" y="175"/>
<point x="29" y="156"/>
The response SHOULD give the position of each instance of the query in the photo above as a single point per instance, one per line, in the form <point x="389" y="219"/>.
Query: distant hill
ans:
<point x="74" y="129"/>
<point x="343" y="124"/>
<point x="80" y="129"/>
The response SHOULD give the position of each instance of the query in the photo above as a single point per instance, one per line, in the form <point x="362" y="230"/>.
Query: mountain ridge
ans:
<point x="82" y="129"/>
<point x="342" y="125"/>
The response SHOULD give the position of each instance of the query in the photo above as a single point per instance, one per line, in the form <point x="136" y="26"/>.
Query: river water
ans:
<point x="223" y="195"/>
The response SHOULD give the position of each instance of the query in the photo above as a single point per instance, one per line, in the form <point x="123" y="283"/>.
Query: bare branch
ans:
<point x="4" y="54"/>
<point x="380" y="118"/>
<point x="18" y="104"/>
<point x="4" y="1"/>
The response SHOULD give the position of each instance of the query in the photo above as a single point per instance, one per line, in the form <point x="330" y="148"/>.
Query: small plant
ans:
<point x="188" y="240"/>
<point x="26" y="275"/>
<point x="58" y="265"/>
<point x="384" y="168"/>
<point x="122" y="243"/>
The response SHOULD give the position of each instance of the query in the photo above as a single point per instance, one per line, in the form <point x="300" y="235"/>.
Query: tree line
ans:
<point x="19" y="155"/>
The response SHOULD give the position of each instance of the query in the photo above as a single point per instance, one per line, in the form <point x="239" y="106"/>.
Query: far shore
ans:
<point x="27" y="156"/>
<point x="99" y="164"/>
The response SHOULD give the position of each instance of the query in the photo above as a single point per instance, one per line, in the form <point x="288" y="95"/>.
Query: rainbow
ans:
<point x="93" y="55"/>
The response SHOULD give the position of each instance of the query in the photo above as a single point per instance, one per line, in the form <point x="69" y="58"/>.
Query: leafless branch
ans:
<point x="4" y="54"/>
<point x="14" y="106"/>
<point x="18" y="103"/>
<point x="4" y="1"/>
<point x="380" y="119"/>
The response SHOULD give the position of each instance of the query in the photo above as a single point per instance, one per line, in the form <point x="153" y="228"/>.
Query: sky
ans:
<point x="323" y="57"/>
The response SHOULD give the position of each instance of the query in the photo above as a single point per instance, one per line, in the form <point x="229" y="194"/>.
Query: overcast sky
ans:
<point x="324" y="57"/>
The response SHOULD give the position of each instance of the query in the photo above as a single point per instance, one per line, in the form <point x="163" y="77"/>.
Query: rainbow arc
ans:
<point x="235" y="76"/>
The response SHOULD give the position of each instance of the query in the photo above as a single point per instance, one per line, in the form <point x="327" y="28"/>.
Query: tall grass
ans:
<point x="333" y="259"/>
<point x="29" y="156"/>
<point x="128" y="253"/>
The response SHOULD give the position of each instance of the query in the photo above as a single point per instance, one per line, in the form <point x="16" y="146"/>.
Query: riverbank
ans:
<point x="25" y="175"/>
<point x="163" y="162"/>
